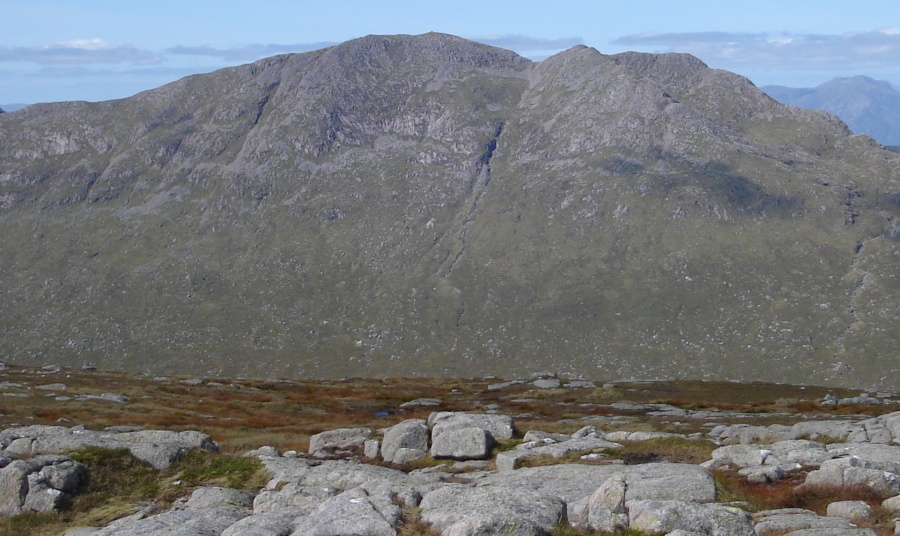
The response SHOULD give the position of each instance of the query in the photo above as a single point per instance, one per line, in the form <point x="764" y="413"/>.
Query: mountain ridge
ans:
<point x="424" y="205"/>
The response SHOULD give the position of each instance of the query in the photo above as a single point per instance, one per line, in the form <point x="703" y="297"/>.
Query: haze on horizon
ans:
<point x="53" y="50"/>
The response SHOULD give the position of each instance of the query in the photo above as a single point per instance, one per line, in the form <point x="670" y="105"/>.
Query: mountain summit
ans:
<point x="426" y="205"/>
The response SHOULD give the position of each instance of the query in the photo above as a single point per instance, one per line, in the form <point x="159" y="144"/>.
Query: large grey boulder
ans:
<point x="462" y="510"/>
<point x="39" y="484"/>
<point x="737" y="456"/>
<point x="606" y="507"/>
<point x="847" y="472"/>
<point x="337" y="442"/>
<point x="709" y="519"/>
<point x="874" y="456"/>
<point x="471" y="443"/>
<point x="855" y="511"/>
<point x="351" y="513"/>
<point x="499" y="426"/>
<point x="410" y="434"/>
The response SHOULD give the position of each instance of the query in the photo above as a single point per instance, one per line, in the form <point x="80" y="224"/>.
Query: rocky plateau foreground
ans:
<point x="469" y="461"/>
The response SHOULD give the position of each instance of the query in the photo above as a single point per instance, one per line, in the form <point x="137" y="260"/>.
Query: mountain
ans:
<point x="426" y="205"/>
<point x="12" y="107"/>
<point x="868" y="106"/>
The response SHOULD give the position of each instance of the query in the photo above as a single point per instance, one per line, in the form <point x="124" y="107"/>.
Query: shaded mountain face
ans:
<point x="398" y="206"/>
<point x="867" y="106"/>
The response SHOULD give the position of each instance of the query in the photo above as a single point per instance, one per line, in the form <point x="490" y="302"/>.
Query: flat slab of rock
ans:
<point x="461" y="510"/>
<point x="794" y="519"/>
<point x="351" y="512"/>
<point x="710" y="519"/>
<point x="160" y="448"/>
<point x="508" y="460"/>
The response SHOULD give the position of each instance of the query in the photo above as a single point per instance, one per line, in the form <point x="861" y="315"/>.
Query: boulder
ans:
<point x="410" y="434"/>
<point x="606" y="507"/>
<point x="848" y="472"/>
<point x="339" y="441"/>
<point x="267" y="450"/>
<point x="39" y="484"/>
<point x="855" y="511"/>
<point x="499" y="426"/>
<point x="739" y="456"/>
<point x="708" y="519"/>
<point x="470" y="443"/>
<point x="350" y="513"/>
<point x="763" y="474"/>
<point x="892" y="504"/>
<point x="514" y="511"/>
<point x="371" y="448"/>
<point x="873" y="456"/>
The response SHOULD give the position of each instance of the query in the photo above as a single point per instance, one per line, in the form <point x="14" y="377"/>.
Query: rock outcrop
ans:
<point x="324" y="495"/>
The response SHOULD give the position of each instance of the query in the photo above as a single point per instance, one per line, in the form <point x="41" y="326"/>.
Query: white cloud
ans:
<point x="87" y="44"/>
<point x="525" y="43"/>
<point x="857" y="50"/>
<point x="247" y="52"/>
<point x="79" y="52"/>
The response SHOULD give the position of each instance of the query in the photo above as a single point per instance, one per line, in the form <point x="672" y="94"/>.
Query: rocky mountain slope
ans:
<point x="867" y="106"/>
<point x="425" y="205"/>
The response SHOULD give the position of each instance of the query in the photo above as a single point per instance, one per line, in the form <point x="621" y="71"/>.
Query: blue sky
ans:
<point x="52" y="50"/>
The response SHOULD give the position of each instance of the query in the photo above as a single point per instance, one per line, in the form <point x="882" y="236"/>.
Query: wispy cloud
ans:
<point x="852" y="50"/>
<point x="248" y="52"/>
<point x="525" y="43"/>
<point x="79" y="52"/>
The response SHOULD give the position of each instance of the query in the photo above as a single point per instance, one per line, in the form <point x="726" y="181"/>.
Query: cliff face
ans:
<point x="426" y="205"/>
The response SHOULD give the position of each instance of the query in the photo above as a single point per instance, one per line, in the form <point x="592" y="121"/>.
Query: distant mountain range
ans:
<point x="868" y="106"/>
<point x="427" y="205"/>
<point x="12" y="107"/>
